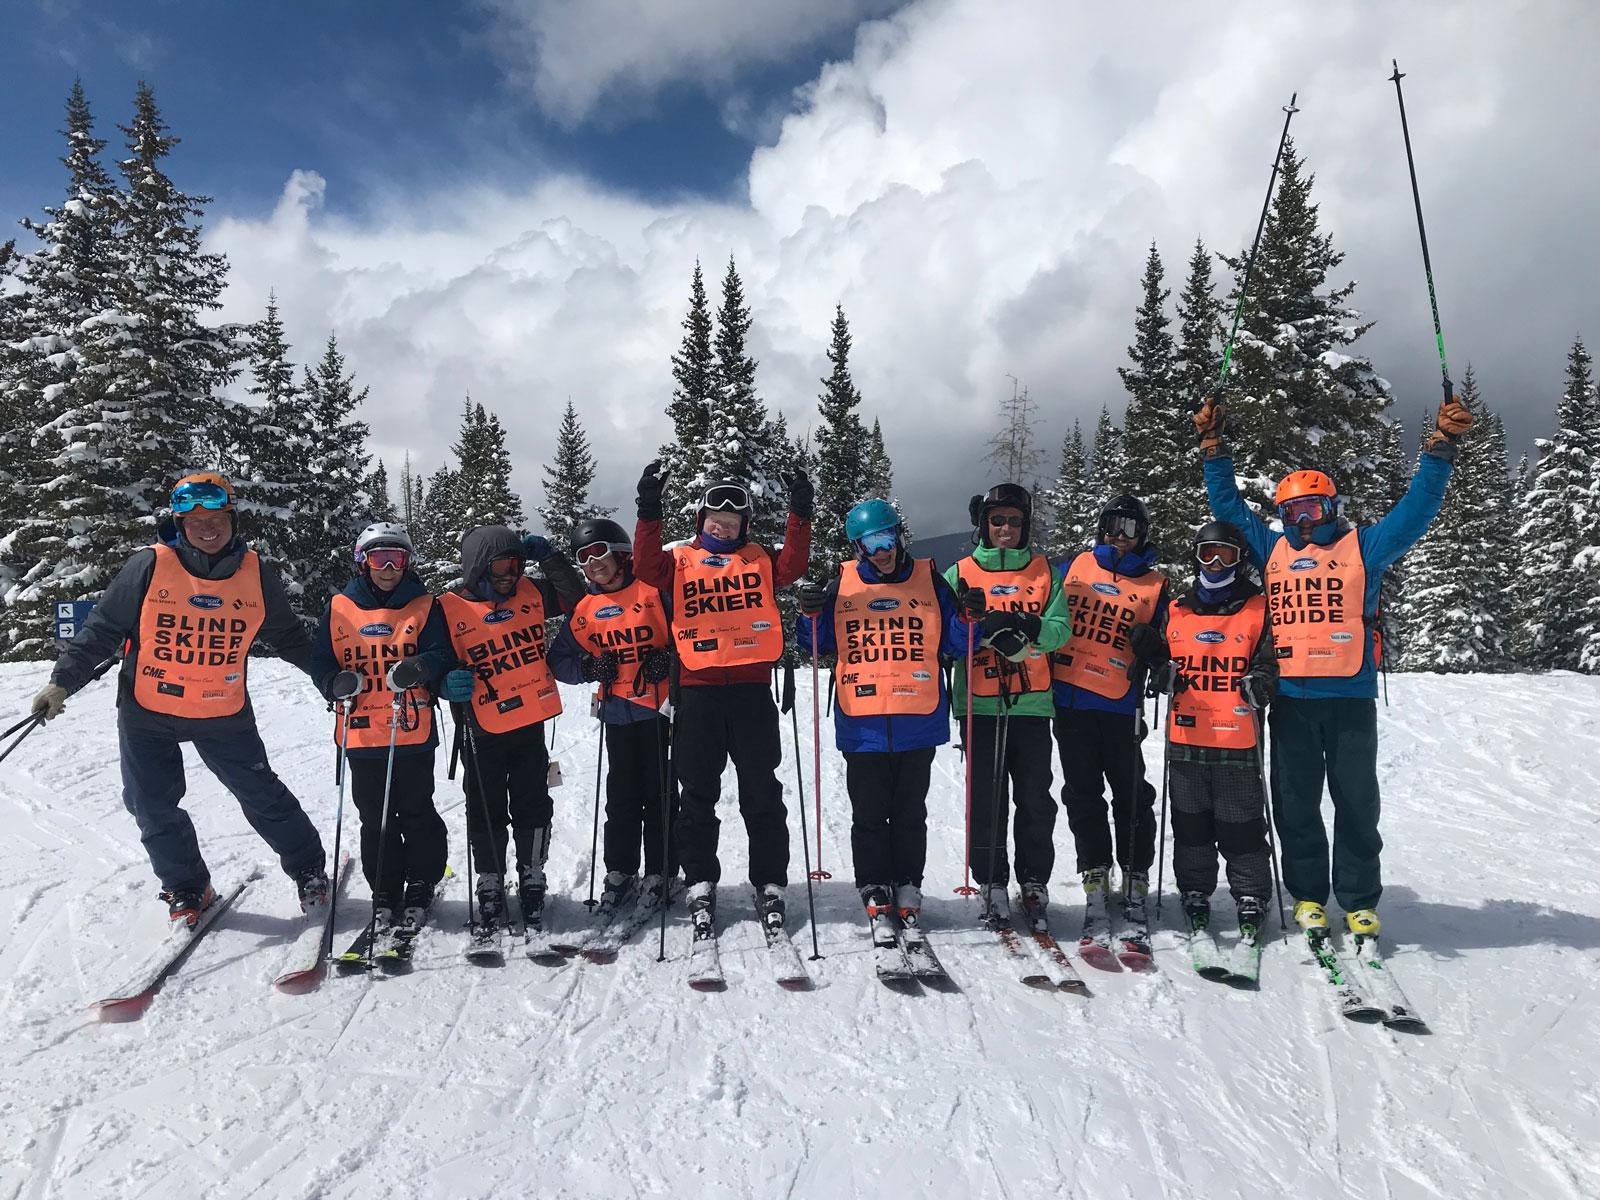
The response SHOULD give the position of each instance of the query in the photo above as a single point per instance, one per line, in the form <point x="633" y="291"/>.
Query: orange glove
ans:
<point x="1210" y="423"/>
<point x="1453" y="420"/>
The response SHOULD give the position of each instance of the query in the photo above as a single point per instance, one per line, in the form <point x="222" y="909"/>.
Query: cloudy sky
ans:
<point x="506" y="198"/>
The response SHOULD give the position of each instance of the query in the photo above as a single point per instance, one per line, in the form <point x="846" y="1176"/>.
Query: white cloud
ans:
<point x="978" y="185"/>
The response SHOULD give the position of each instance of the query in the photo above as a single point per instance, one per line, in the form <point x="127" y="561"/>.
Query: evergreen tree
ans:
<point x="271" y="445"/>
<point x="435" y="533"/>
<point x="843" y="450"/>
<point x="1199" y="333"/>
<point x="693" y="397"/>
<point x="1108" y="467"/>
<point x="879" y="469"/>
<point x="1558" y="526"/>
<point x="1156" y="430"/>
<point x="567" y="480"/>
<point x="1068" y="501"/>
<point x="1298" y="397"/>
<point x="382" y="506"/>
<point x="483" y="494"/>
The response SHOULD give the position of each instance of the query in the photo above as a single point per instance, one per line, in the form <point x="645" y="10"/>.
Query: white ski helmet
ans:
<point x="382" y="533"/>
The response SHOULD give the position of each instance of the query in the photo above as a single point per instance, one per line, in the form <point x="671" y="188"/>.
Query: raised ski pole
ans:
<point x="1249" y="263"/>
<point x="799" y="783"/>
<point x="1422" y="232"/>
<point x="816" y="755"/>
<point x="1166" y="771"/>
<point x="594" y="837"/>
<point x="1266" y="811"/>
<point x="27" y="725"/>
<point x="966" y="888"/>
<point x="342" y="705"/>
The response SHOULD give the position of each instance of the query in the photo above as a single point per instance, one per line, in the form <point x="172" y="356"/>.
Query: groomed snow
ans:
<point x="619" y="1081"/>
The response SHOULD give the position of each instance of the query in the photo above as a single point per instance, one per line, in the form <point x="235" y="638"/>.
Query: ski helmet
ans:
<point x="1122" y="514"/>
<point x="383" y="533"/>
<point x="1001" y="495"/>
<point x="1306" y="496"/>
<point x="725" y="495"/>
<point x="202" y="489"/>
<point x="594" y="531"/>
<point x="1220" y="533"/>
<point x="870" y="516"/>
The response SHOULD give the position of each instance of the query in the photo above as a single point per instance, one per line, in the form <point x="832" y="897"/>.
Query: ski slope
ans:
<point x="617" y="1080"/>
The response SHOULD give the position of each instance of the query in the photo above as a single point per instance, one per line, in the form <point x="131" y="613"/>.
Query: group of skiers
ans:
<point x="680" y="642"/>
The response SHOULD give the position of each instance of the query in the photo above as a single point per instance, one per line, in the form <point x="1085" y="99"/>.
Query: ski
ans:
<point x="358" y="958"/>
<point x="131" y="999"/>
<point x="1385" y="989"/>
<point x="1350" y="1000"/>
<point x="395" y="957"/>
<point x="603" y="947"/>
<point x="307" y="959"/>
<point x="1204" y="954"/>
<point x="484" y="947"/>
<point x="919" y="956"/>
<point x="705" y="962"/>
<point x="1064" y="975"/>
<point x="1032" y="974"/>
<point x="538" y="943"/>
<point x="1244" y="960"/>
<point x="1094" y="943"/>
<point x="788" y="969"/>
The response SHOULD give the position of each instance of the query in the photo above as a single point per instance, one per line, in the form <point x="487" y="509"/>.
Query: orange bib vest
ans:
<point x="1214" y="652"/>
<point x="888" y="640"/>
<point x="726" y="611"/>
<point x="194" y="638"/>
<point x="1104" y="606"/>
<point x="369" y="641"/>
<point x="628" y="622"/>
<point x="1315" y="596"/>
<point x="1026" y="589"/>
<point x="503" y="644"/>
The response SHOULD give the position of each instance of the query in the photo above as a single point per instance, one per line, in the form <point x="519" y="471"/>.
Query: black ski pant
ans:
<point x="1218" y="806"/>
<point x="1099" y="749"/>
<point x="506" y="784"/>
<point x="888" y="814"/>
<point x="713" y="724"/>
<point x="637" y="769"/>
<point x="1336" y="739"/>
<point x="416" y="844"/>
<point x="1027" y="767"/>
<point x="153" y="785"/>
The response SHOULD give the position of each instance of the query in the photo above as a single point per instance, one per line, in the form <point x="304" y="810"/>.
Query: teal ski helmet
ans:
<point x="869" y="517"/>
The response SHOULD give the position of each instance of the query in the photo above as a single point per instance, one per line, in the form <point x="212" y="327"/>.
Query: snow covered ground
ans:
<point x="618" y="1080"/>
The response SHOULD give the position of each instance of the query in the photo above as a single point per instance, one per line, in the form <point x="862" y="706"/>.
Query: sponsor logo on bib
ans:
<point x="206" y="601"/>
<point x="376" y="629"/>
<point x="1107" y="589"/>
<point x="609" y="611"/>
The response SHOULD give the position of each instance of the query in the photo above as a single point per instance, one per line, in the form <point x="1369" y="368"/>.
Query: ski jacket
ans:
<point x="1380" y="545"/>
<point x="1106" y="595"/>
<point x="1055" y="626"/>
<point x="641" y="624"/>
<point x="430" y="642"/>
<point x="880" y="733"/>
<point x="659" y="568"/>
<point x="114" y="624"/>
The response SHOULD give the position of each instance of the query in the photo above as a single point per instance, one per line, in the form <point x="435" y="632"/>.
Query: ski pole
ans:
<point x="997" y="790"/>
<point x="816" y="756"/>
<point x="27" y="727"/>
<point x="342" y="706"/>
<point x="1124" y="852"/>
<point x="594" y="840"/>
<point x="1166" y="771"/>
<point x="30" y="719"/>
<point x="1244" y="285"/>
<point x="667" y="869"/>
<point x="388" y="781"/>
<point x="1422" y="232"/>
<point x="488" y="822"/>
<point x="799" y="783"/>
<point x="1266" y="811"/>
<point x="966" y="888"/>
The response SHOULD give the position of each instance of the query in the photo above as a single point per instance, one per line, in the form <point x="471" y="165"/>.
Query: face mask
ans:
<point x="1213" y="580"/>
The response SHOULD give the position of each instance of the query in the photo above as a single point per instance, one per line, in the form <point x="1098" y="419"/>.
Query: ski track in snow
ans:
<point x="618" y="1080"/>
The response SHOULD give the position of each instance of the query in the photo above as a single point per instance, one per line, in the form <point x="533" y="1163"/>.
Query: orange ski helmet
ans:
<point x="1304" y="483"/>
<point x="202" y="489"/>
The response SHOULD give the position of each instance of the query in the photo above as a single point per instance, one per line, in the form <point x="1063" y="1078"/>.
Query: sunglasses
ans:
<point x="387" y="558"/>
<point x="191" y="496"/>
<point x="508" y="564"/>
<point x="593" y="552"/>
<point x="878" y="540"/>
<point x="1303" y="508"/>
<point x="1122" y="527"/>
<point x="1217" y="554"/>
<point x="998" y="522"/>
<point x="726" y="498"/>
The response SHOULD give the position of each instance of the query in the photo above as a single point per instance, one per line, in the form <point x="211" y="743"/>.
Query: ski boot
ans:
<point x="908" y="905"/>
<point x="770" y="907"/>
<point x="653" y="892"/>
<point x="417" y="900"/>
<point x="491" y="900"/>
<point x="530" y="895"/>
<point x="880" y="913"/>
<point x="1135" y="935"/>
<point x="313" y="886"/>
<point x="184" y="905"/>
<point x="1363" y="922"/>
<point x="1035" y="906"/>
<point x="996" y="905"/>
<point x="1252" y="916"/>
<point x="615" y="891"/>
<point x="383" y="913"/>
<point x="1196" y="910"/>
<point x="703" y="910"/>
<point x="1312" y="918"/>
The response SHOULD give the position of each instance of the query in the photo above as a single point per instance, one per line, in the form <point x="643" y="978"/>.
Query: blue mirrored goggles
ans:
<point x="878" y="540"/>
<point x="190" y="496"/>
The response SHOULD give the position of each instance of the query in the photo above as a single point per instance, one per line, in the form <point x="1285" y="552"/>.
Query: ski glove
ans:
<point x="802" y="496"/>
<point x="970" y="603"/>
<point x="1167" y="680"/>
<point x="1148" y="644"/>
<point x="537" y="548"/>
<point x="656" y="665"/>
<point x="1210" y="423"/>
<point x="1010" y="644"/>
<point x="344" y="685"/>
<point x="997" y="621"/>
<point x="50" y="702"/>
<point x="651" y="484"/>
<point x="406" y="674"/>
<point x="599" y="668"/>
<point x="458" y="685"/>
<point x="1454" y="419"/>
<point x="1256" y="690"/>
<point x="813" y="597"/>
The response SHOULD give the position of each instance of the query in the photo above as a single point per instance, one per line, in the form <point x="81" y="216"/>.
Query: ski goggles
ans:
<point x="1305" y="508"/>
<point x="878" y="540"/>
<point x="1217" y="554"/>
<point x="996" y="521"/>
<point x="726" y="497"/>
<point x="1120" y="526"/>
<point x="384" y="558"/>
<point x="506" y="564"/>
<point x="187" y="497"/>
<point x="595" y="551"/>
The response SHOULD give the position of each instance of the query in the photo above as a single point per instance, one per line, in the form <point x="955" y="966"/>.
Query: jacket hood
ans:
<point x="480" y="547"/>
<point x="360" y="590"/>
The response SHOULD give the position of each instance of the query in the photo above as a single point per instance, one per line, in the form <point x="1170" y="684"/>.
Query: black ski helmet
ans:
<point x="599" y="529"/>
<point x="1001" y="495"/>
<point x="1221" y="531"/>
<point x="1127" y="506"/>
<point x="725" y="495"/>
